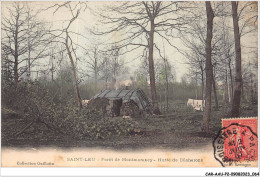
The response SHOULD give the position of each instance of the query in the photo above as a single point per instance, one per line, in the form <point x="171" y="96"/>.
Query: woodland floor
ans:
<point x="180" y="130"/>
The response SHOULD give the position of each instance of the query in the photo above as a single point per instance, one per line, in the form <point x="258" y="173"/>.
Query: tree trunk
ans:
<point x="156" y="109"/>
<point x="231" y="80"/>
<point x="95" y="67"/>
<point x="215" y="93"/>
<point x="226" y="97"/>
<point x="196" y="82"/>
<point x="29" y="48"/>
<point x="95" y="78"/>
<point x="167" y="83"/>
<point x="29" y="64"/>
<point x="202" y="82"/>
<point x="160" y="96"/>
<point x="16" y="77"/>
<point x="251" y="89"/>
<point x="208" y="68"/>
<point x="74" y="74"/>
<point x="52" y="72"/>
<point x="238" y="78"/>
<point x="242" y="92"/>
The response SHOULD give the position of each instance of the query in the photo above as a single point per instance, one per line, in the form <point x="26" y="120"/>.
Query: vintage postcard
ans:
<point x="129" y="84"/>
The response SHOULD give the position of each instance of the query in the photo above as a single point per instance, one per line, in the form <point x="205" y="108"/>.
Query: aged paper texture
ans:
<point x="129" y="84"/>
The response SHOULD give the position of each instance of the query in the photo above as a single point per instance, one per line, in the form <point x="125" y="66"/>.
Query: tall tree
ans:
<point x="116" y="66"/>
<point x="152" y="13"/>
<point x="94" y="62"/>
<point x="111" y="67"/>
<point x="214" y="87"/>
<point x="208" y="68"/>
<point x="145" y="20"/>
<point x="64" y="37"/>
<point x="238" y="77"/>
<point x="70" y="49"/>
<point x="25" y="39"/>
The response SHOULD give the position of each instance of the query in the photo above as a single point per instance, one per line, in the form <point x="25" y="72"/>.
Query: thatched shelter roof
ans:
<point x="136" y="95"/>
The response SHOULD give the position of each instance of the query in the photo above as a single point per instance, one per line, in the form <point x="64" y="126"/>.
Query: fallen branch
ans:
<point x="51" y="128"/>
<point x="25" y="128"/>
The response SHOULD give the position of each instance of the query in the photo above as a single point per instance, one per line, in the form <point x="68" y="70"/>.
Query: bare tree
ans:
<point x="208" y="68"/>
<point x="6" y="69"/>
<point x="225" y="60"/>
<point x="55" y="60"/>
<point x="196" y="57"/>
<point x="106" y="71"/>
<point x="246" y="21"/>
<point x="112" y="66"/>
<point x="196" y="62"/>
<point x="165" y="76"/>
<point x="165" y="70"/>
<point x="247" y="17"/>
<point x="238" y="78"/>
<point x="166" y="82"/>
<point x="116" y="65"/>
<point x="94" y="62"/>
<point x="249" y="75"/>
<point x="195" y="41"/>
<point x="68" y="41"/>
<point x="64" y="36"/>
<point x="24" y="39"/>
<point x="144" y="20"/>
<point x="215" y="87"/>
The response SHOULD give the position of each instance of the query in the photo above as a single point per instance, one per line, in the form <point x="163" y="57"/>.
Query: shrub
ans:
<point x="36" y="104"/>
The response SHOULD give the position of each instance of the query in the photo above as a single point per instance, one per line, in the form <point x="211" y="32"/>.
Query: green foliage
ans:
<point x="58" y="121"/>
<point x="62" y="87"/>
<point x="35" y="103"/>
<point x="106" y="127"/>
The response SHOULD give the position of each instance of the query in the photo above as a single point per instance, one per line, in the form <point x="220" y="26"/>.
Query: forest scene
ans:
<point x="126" y="75"/>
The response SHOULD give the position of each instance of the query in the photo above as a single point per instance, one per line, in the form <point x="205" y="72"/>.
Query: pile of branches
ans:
<point x="37" y="107"/>
<point x="130" y="108"/>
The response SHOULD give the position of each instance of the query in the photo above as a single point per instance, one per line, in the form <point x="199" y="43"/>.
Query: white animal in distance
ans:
<point x="196" y="104"/>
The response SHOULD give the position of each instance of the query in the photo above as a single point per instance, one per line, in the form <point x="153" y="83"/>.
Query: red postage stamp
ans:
<point x="237" y="141"/>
